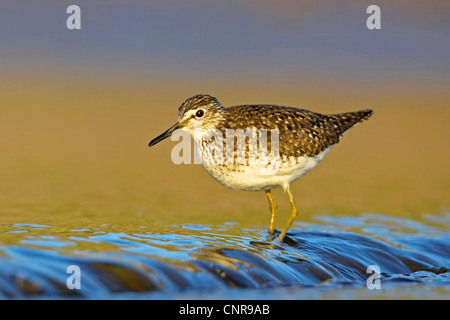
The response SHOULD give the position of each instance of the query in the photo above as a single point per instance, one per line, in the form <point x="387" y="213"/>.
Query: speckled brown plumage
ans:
<point x="301" y="132"/>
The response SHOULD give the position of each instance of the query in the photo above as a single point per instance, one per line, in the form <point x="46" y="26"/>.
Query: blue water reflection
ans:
<point x="225" y="262"/>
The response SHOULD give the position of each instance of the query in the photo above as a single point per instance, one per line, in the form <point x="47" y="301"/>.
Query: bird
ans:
<point x="227" y="140"/>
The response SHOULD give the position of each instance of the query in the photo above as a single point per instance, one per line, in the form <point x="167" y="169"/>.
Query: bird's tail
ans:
<point x="344" y="121"/>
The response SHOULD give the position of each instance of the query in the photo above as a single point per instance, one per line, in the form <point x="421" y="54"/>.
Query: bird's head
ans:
<point x="198" y="115"/>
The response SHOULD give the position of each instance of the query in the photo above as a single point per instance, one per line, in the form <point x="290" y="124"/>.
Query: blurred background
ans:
<point x="78" y="107"/>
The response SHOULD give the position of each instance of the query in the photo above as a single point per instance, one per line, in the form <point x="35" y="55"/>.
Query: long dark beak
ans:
<point x="165" y="134"/>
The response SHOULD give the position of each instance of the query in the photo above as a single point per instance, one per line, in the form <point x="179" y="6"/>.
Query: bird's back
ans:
<point x="301" y="132"/>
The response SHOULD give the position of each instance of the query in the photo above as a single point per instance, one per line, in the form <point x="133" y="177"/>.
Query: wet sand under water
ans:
<point x="326" y="258"/>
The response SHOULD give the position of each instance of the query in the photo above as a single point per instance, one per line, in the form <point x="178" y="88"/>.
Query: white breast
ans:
<point x="259" y="175"/>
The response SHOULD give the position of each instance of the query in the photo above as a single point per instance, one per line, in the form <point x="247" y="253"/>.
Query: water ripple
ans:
<point x="224" y="261"/>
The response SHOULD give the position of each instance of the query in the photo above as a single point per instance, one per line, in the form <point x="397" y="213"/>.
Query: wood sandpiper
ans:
<point x="304" y="138"/>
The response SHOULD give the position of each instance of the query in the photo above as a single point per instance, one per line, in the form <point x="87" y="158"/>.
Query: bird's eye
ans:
<point x="200" y="113"/>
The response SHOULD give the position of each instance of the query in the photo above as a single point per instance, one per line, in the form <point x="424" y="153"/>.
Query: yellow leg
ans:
<point x="292" y="216"/>
<point x="273" y="211"/>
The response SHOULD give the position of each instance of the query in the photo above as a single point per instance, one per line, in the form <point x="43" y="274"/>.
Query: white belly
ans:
<point x="260" y="176"/>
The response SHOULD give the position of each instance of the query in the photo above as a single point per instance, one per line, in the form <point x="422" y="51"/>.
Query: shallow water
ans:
<point x="325" y="258"/>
